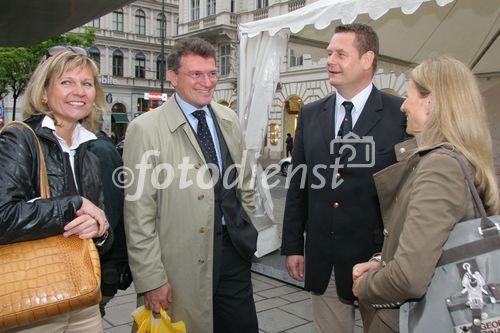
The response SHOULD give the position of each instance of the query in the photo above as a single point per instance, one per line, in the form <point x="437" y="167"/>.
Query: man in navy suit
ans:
<point x="340" y="142"/>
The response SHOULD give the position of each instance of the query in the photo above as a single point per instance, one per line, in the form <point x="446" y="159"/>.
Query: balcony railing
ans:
<point x="193" y="25"/>
<point x="296" y="4"/>
<point x="209" y="21"/>
<point x="233" y="19"/>
<point x="260" y="14"/>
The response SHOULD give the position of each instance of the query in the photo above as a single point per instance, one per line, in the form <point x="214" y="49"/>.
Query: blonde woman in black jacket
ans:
<point x="62" y="102"/>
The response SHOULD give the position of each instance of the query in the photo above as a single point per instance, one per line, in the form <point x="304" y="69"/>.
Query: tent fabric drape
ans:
<point x="261" y="57"/>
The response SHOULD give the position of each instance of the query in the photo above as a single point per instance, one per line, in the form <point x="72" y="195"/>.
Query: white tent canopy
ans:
<point x="409" y="32"/>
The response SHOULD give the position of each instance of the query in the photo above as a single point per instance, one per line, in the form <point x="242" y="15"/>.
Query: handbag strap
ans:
<point x="42" y="169"/>
<point x="487" y="225"/>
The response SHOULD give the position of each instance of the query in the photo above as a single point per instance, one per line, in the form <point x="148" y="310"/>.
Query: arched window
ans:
<point x="140" y="22"/>
<point x="119" y="108"/>
<point x="95" y="54"/>
<point x="118" y="20"/>
<point x="161" y="66"/>
<point x="117" y="62"/>
<point x="140" y="65"/>
<point x="161" y="21"/>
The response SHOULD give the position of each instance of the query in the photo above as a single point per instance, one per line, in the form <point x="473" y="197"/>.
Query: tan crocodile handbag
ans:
<point x="46" y="277"/>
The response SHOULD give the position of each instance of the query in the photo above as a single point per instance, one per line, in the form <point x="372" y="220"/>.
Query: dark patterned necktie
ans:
<point x="346" y="125"/>
<point x="205" y="137"/>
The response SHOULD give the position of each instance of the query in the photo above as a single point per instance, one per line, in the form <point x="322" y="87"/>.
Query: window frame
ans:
<point x="140" y="22"/>
<point x="140" y="65"/>
<point x="95" y="23"/>
<point x="225" y="59"/>
<point x="117" y="21"/>
<point x="211" y="7"/>
<point x="117" y="62"/>
<point x="195" y="10"/>
<point x="95" y="54"/>
<point x="158" y="29"/>
<point x="262" y="4"/>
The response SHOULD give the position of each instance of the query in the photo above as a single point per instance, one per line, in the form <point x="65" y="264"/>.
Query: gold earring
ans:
<point x="44" y="100"/>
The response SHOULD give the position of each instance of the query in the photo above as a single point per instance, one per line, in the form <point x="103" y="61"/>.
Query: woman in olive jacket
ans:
<point x="62" y="99"/>
<point x="425" y="194"/>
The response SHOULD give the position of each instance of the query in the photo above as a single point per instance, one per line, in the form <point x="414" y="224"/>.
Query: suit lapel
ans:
<point x="370" y="115"/>
<point x="225" y="126"/>
<point x="327" y="119"/>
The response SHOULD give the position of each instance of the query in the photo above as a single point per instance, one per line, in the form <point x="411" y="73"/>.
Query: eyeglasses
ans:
<point x="198" y="76"/>
<point x="60" y="48"/>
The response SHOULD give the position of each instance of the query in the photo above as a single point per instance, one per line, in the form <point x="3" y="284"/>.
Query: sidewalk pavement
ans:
<point x="281" y="307"/>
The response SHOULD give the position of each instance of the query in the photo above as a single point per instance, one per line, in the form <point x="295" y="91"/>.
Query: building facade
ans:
<point x="128" y="50"/>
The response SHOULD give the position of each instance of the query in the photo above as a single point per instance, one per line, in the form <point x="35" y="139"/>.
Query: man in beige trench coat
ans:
<point x="190" y="240"/>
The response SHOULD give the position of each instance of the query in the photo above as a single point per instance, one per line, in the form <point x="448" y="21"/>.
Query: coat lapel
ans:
<point x="177" y="122"/>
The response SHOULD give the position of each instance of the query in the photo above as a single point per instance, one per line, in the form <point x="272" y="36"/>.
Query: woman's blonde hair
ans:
<point x="52" y="68"/>
<point x="458" y="118"/>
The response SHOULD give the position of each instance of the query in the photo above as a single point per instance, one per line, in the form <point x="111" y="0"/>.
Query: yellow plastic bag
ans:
<point x="147" y="323"/>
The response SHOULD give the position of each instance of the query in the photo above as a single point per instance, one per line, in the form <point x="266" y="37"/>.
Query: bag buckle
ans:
<point x="473" y="284"/>
<point x="481" y="230"/>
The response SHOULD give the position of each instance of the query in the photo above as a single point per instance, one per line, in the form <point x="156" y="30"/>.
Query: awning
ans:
<point x="27" y="22"/>
<point x="119" y="118"/>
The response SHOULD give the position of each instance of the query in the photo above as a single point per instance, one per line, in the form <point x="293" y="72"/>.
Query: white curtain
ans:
<point x="260" y="59"/>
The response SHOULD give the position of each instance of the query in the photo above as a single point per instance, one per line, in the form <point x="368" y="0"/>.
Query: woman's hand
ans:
<point x="359" y="270"/>
<point x="90" y="222"/>
<point x="356" y="286"/>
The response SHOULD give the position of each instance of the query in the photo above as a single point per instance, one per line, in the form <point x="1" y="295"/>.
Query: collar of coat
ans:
<point x="410" y="147"/>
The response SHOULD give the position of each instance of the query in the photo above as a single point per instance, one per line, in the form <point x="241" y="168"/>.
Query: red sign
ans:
<point x="155" y="96"/>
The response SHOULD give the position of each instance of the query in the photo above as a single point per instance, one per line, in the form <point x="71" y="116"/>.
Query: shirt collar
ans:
<point x="187" y="108"/>
<point x="359" y="100"/>
<point x="79" y="136"/>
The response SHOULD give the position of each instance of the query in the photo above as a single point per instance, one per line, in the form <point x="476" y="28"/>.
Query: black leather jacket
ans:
<point x="21" y="220"/>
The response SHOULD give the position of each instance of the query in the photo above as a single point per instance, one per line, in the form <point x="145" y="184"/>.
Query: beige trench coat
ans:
<point x="169" y="208"/>
<point x="421" y="199"/>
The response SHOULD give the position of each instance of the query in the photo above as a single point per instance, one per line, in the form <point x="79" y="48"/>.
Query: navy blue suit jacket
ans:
<point x="343" y="225"/>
